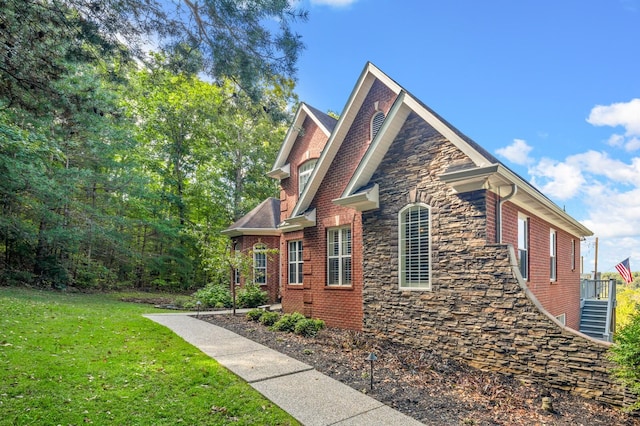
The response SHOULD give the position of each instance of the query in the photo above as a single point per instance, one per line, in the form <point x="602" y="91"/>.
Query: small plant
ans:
<point x="269" y="318"/>
<point x="250" y="296"/>
<point x="626" y="354"/>
<point x="288" y="322"/>
<point x="214" y="296"/>
<point x="308" y="327"/>
<point x="255" y="314"/>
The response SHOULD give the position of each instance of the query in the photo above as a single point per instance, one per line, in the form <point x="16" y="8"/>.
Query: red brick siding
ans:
<point x="558" y="297"/>
<point x="272" y="287"/>
<point x="338" y="306"/>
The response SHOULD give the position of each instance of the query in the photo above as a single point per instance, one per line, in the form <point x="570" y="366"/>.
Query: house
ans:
<point x="395" y="223"/>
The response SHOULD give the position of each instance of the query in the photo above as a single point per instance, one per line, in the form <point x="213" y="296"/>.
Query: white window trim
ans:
<point x="340" y="257"/>
<point x="401" y="256"/>
<point x="562" y="318"/>
<point x="524" y="218"/>
<point x="297" y="262"/>
<point x="259" y="249"/>
<point x="553" y="255"/>
<point x="573" y="254"/>
<point x="304" y="171"/>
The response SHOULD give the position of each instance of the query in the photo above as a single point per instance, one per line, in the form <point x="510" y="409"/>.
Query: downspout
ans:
<point x="514" y="191"/>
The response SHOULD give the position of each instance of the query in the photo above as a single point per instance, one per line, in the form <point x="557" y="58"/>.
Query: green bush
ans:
<point x="308" y="327"/>
<point x="255" y="314"/>
<point x="287" y="322"/>
<point x="250" y="296"/>
<point x="269" y="318"/>
<point x="626" y="354"/>
<point x="214" y="296"/>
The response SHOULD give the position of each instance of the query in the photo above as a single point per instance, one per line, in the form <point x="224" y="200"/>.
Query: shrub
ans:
<point x="308" y="327"/>
<point x="287" y="322"/>
<point x="255" y="314"/>
<point x="250" y="296"/>
<point x="269" y="318"/>
<point x="626" y="354"/>
<point x="214" y="296"/>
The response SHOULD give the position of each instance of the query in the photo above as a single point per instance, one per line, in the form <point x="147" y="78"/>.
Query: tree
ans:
<point x="626" y="354"/>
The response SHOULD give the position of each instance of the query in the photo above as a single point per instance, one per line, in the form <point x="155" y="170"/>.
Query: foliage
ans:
<point x="628" y="300"/>
<point x="255" y="314"/>
<point x="78" y="359"/>
<point x="251" y="296"/>
<point x="287" y="322"/>
<point x="626" y="354"/>
<point x="308" y="327"/>
<point x="268" y="318"/>
<point x="214" y="296"/>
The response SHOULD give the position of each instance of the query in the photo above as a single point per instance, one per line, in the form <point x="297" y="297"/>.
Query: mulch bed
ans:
<point x="424" y="385"/>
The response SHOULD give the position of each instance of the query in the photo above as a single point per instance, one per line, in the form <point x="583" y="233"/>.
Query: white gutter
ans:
<point x="514" y="191"/>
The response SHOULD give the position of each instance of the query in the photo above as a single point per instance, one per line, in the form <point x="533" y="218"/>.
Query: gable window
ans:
<point x="295" y="262"/>
<point x="523" y="246"/>
<point x="415" y="247"/>
<point x="553" y="260"/>
<point x="376" y="123"/>
<point x="260" y="264"/>
<point x="339" y="256"/>
<point x="304" y="173"/>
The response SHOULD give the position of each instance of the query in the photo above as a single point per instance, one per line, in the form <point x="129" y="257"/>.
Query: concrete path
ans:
<point x="309" y="396"/>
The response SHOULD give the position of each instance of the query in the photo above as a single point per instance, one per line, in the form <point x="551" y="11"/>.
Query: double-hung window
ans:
<point x="260" y="264"/>
<point x="339" y="256"/>
<point x="523" y="246"/>
<point x="553" y="259"/>
<point x="415" y="247"/>
<point x="304" y="173"/>
<point x="295" y="262"/>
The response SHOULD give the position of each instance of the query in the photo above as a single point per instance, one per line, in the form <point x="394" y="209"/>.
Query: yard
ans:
<point x="74" y="359"/>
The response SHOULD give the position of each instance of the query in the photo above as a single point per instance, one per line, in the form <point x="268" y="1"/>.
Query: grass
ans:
<point x="72" y="359"/>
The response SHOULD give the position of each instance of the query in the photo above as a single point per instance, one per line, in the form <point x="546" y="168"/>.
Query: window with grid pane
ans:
<point x="295" y="262"/>
<point x="260" y="264"/>
<point x="339" y="256"/>
<point x="415" y="247"/>
<point x="304" y="173"/>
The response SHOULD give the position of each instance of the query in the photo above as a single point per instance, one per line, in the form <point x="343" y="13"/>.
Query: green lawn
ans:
<point x="72" y="359"/>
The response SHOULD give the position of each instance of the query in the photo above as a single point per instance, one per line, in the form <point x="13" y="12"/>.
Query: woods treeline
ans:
<point x="120" y="166"/>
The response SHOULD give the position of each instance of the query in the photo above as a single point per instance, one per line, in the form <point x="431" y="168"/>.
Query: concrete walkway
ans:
<point x="309" y="396"/>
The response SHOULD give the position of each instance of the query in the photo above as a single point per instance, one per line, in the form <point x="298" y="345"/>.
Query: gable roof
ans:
<point x="484" y="171"/>
<point x="326" y="123"/>
<point x="369" y="75"/>
<point x="262" y="220"/>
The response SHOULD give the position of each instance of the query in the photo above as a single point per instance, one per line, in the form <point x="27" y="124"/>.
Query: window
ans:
<point x="339" y="256"/>
<point x="562" y="318"/>
<point x="523" y="246"/>
<point x="553" y="262"/>
<point x="573" y="255"/>
<point x="304" y="173"/>
<point x="260" y="264"/>
<point x="295" y="262"/>
<point x="376" y="123"/>
<point x="415" y="247"/>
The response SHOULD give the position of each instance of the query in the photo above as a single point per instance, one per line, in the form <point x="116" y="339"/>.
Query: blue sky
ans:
<point x="551" y="87"/>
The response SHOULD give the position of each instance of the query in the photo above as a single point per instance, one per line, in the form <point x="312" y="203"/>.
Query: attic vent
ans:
<point x="376" y="123"/>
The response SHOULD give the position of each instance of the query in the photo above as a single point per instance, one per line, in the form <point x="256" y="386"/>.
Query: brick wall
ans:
<point x="477" y="309"/>
<point x="338" y="306"/>
<point x="272" y="286"/>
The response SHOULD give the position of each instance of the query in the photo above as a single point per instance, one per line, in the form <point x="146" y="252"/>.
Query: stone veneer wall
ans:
<point x="478" y="309"/>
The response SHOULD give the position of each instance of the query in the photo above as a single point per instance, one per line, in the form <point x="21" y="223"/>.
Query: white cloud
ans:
<point x="517" y="152"/>
<point x="622" y="114"/>
<point x="625" y="114"/>
<point x="334" y="3"/>
<point x="561" y="180"/>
